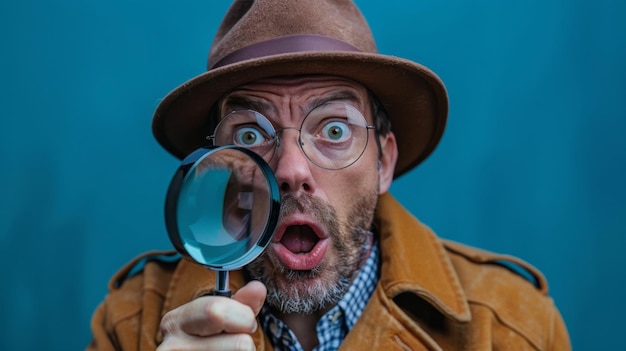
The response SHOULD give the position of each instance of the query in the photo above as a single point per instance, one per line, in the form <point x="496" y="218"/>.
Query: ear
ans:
<point x="387" y="162"/>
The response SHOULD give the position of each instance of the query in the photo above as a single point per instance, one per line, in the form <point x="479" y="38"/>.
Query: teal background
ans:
<point x="532" y="163"/>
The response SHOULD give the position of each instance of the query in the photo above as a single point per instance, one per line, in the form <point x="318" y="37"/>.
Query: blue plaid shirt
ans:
<point x="333" y="327"/>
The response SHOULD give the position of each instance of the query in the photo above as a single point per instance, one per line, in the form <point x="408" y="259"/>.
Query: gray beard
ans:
<point x="305" y="292"/>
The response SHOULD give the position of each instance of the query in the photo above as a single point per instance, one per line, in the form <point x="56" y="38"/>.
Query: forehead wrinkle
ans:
<point x="343" y="95"/>
<point x="346" y="94"/>
<point x="237" y="102"/>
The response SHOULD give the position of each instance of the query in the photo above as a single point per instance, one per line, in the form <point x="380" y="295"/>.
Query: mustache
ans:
<point x="305" y="203"/>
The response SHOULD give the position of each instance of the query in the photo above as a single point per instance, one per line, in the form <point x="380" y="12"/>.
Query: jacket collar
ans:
<point x="413" y="260"/>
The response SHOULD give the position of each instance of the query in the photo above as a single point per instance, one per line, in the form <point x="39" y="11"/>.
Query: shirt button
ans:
<point x="335" y="317"/>
<point x="273" y="328"/>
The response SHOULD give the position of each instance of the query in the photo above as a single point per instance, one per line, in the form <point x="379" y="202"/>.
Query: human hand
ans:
<point x="215" y="322"/>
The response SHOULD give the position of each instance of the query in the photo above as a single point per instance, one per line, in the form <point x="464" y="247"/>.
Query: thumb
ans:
<point x="252" y="294"/>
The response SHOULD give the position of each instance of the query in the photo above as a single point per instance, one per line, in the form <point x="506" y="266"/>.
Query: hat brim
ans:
<point x="414" y="97"/>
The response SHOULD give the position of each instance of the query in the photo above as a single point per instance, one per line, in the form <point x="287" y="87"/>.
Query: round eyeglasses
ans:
<point x="333" y="135"/>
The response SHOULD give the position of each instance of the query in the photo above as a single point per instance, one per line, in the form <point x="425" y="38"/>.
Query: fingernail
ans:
<point x="255" y="326"/>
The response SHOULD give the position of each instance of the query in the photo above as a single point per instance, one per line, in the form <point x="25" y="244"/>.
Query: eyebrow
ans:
<point x="242" y="103"/>
<point x="338" y="95"/>
<point x="236" y="102"/>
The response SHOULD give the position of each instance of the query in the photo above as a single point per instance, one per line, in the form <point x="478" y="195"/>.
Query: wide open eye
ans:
<point x="335" y="131"/>
<point x="249" y="136"/>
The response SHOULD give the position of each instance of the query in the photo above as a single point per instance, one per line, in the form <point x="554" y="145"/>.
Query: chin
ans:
<point x="293" y="291"/>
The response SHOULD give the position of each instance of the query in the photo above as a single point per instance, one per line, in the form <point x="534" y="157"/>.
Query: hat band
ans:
<point x="284" y="45"/>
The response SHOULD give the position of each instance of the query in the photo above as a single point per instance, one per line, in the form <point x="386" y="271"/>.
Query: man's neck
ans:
<point x="304" y="326"/>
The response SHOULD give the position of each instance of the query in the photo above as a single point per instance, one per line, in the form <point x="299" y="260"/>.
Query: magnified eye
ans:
<point x="248" y="136"/>
<point x="336" y="131"/>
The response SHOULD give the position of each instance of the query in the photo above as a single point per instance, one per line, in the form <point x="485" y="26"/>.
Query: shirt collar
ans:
<point x="353" y="302"/>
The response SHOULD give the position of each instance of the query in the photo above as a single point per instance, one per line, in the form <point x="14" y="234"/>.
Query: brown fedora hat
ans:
<point x="270" y="38"/>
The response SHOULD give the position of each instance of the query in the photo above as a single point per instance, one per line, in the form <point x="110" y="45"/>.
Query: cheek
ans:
<point x="346" y="187"/>
<point x="341" y="189"/>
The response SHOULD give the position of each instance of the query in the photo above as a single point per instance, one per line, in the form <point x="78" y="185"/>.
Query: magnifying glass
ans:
<point x="221" y="209"/>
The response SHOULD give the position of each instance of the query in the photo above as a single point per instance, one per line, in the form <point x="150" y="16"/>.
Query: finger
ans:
<point x="219" y="342"/>
<point x="209" y="315"/>
<point x="252" y="294"/>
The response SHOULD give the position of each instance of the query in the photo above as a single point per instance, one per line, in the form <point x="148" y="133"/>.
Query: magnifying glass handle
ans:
<point x="222" y="284"/>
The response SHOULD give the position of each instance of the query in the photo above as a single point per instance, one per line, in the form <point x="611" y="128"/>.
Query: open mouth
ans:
<point x="299" y="239"/>
<point x="300" y="246"/>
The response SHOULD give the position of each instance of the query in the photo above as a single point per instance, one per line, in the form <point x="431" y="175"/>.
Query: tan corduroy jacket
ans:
<point x="432" y="295"/>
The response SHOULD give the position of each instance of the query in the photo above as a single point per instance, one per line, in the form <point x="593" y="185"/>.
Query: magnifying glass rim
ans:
<point x="173" y="194"/>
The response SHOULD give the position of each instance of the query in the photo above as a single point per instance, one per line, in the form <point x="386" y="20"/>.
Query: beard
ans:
<point x="308" y="291"/>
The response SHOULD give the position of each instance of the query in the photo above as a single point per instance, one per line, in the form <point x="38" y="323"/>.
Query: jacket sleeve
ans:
<point x="129" y="317"/>
<point x="560" y="336"/>
<point x="102" y="340"/>
<point x="116" y="323"/>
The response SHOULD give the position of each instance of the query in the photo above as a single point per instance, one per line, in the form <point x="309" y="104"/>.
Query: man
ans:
<point x="301" y="83"/>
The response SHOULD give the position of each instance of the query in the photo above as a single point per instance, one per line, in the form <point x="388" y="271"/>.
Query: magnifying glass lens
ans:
<point x="222" y="207"/>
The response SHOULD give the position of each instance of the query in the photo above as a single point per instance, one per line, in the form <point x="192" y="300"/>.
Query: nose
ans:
<point x="292" y="168"/>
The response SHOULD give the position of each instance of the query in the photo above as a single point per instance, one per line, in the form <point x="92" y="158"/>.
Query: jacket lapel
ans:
<point x="414" y="263"/>
<point x="414" y="260"/>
